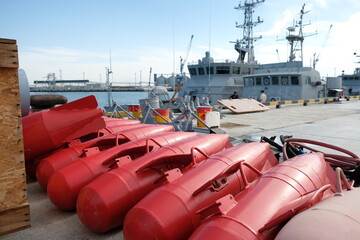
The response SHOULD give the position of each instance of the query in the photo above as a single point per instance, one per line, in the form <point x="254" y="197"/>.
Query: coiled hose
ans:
<point x="350" y="162"/>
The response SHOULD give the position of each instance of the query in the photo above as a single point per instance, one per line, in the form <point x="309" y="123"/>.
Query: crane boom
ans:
<point x="317" y="55"/>
<point x="183" y="61"/>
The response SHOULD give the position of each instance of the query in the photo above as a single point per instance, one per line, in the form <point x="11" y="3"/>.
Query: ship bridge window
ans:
<point x="211" y="70"/>
<point x="236" y="70"/>
<point x="222" y="70"/>
<point x="201" y="71"/>
<point x="249" y="82"/>
<point x="295" y="80"/>
<point x="266" y="80"/>
<point x="356" y="78"/>
<point x="284" y="80"/>
<point x="192" y="71"/>
<point x="237" y="81"/>
<point x="274" y="80"/>
<point x="258" y="81"/>
<point x="308" y="80"/>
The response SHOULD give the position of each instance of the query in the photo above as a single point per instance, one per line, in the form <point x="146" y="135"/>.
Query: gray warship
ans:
<point x="210" y="81"/>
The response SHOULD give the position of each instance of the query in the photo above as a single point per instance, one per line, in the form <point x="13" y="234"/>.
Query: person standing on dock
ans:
<point x="263" y="96"/>
<point x="234" y="96"/>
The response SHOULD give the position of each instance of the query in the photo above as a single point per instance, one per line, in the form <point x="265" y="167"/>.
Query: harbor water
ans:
<point x="121" y="98"/>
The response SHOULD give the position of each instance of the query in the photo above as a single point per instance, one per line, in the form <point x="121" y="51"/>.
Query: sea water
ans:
<point x="121" y="98"/>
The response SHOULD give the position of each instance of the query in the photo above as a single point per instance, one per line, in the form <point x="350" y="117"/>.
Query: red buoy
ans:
<point x="103" y="203"/>
<point x="65" y="184"/>
<point x="180" y="202"/>
<point x="257" y="212"/>
<point x="75" y="149"/>
<point x="46" y="131"/>
<point x="336" y="217"/>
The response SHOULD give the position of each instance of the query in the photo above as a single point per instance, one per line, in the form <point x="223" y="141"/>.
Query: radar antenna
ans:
<point x="246" y="44"/>
<point x="294" y="38"/>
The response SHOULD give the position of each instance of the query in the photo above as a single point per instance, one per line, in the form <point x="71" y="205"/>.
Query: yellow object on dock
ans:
<point x="135" y="110"/>
<point x="201" y="113"/>
<point x="165" y="113"/>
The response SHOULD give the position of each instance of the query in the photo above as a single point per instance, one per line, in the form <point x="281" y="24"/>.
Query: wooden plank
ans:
<point x="8" y="41"/>
<point x="8" y="55"/>
<point x="243" y="105"/>
<point x="13" y="200"/>
<point x="15" y="219"/>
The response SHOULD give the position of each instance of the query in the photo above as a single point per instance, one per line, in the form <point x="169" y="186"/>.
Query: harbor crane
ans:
<point x="181" y="78"/>
<point x="317" y="55"/>
<point x="183" y="61"/>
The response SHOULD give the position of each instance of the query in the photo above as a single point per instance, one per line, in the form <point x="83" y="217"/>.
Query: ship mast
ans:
<point x="108" y="84"/>
<point x="246" y="44"/>
<point x="294" y="38"/>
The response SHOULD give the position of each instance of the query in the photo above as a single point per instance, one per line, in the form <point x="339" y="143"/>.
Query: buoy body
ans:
<point x="103" y="203"/>
<point x="76" y="148"/>
<point x="179" y="203"/>
<point x="337" y="217"/>
<point x="65" y="184"/>
<point x="257" y="212"/>
<point x="46" y="131"/>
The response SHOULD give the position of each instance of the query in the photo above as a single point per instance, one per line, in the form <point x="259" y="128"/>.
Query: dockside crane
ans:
<point x="181" y="78"/>
<point x="317" y="55"/>
<point x="183" y="61"/>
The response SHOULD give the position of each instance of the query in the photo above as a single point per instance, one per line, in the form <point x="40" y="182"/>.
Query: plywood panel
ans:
<point x="14" y="219"/>
<point x="12" y="166"/>
<point x="8" y="53"/>
<point x="243" y="105"/>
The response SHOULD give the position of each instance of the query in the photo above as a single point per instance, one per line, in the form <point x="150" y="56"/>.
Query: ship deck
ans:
<point x="334" y="123"/>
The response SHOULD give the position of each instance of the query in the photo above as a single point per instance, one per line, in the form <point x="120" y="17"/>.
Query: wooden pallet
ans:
<point x="14" y="207"/>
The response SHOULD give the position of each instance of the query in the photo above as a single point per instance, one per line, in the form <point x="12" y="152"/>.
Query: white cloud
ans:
<point x="341" y="46"/>
<point x="38" y="62"/>
<point x="280" y="25"/>
<point x="322" y="3"/>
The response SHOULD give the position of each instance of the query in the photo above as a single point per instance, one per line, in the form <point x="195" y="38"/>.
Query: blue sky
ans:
<point x="76" y="36"/>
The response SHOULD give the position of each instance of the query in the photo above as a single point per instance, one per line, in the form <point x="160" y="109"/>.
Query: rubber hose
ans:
<point x="272" y="143"/>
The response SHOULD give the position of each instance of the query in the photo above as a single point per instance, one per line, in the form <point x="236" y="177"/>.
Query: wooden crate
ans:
<point x="14" y="207"/>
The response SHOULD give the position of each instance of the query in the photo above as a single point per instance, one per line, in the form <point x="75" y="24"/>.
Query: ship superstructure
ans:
<point x="216" y="80"/>
<point x="281" y="81"/>
<point x="351" y="82"/>
<point x="287" y="80"/>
